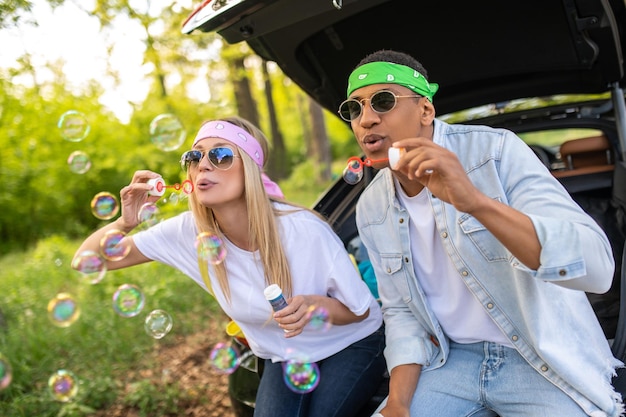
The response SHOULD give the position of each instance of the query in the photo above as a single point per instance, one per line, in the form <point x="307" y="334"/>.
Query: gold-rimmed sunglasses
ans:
<point x="381" y="102"/>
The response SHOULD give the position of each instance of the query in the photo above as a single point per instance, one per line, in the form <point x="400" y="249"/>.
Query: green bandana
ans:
<point x="390" y="73"/>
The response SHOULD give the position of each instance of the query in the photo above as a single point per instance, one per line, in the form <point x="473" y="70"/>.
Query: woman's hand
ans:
<point x="134" y="196"/>
<point x="294" y="318"/>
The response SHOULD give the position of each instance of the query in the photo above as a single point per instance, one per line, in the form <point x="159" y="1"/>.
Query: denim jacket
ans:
<point x="554" y="328"/>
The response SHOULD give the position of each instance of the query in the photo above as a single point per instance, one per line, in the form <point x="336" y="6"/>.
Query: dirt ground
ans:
<point x="185" y="363"/>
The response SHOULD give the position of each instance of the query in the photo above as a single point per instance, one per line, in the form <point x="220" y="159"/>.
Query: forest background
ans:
<point x="45" y="211"/>
<point x="40" y="196"/>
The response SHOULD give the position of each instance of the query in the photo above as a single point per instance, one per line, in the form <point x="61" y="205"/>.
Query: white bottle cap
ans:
<point x="158" y="188"/>
<point x="394" y="156"/>
<point x="272" y="292"/>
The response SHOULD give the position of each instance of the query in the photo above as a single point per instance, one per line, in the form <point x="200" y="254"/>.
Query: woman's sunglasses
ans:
<point x="381" y="102"/>
<point x="221" y="157"/>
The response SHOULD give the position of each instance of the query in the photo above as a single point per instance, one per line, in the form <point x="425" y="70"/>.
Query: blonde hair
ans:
<point x="263" y="229"/>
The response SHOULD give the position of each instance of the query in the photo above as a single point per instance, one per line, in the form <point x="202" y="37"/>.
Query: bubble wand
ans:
<point x="158" y="186"/>
<point x="353" y="172"/>
<point x="394" y="157"/>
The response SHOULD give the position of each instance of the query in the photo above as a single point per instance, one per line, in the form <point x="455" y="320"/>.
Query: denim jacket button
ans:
<point x="562" y="272"/>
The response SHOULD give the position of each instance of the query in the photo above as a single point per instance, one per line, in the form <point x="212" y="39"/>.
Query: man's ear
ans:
<point x="428" y="114"/>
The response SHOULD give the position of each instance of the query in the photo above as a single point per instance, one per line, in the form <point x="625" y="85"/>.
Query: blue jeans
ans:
<point x="487" y="380"/>
<point x="348" y="380"/>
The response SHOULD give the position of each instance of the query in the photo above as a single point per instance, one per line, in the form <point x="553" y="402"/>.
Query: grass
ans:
<point x="100" y="348"/>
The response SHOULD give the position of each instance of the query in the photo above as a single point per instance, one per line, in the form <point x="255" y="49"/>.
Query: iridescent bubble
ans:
<point x="167" y="132"/>
<point x="319" y="318"/>
<point x="79" y="162"/>
<point x="210" y="248"/>
<point x="148" y="215"/>
<point x="158" y="323"/>
<point x="301" y="377"/>
<point x="63" y="310"/>
<point x="91" y="264"/>
<point x="112" y="245"/>
<point x="224" y="358"/>
<point x="104" y="205"/>
<point x="6" y="373"/>
<point x="73" y="126"/>
<point x="63" y="385"/>
<point x="174" y="198"/>
<point x="353" y="172"/>
<point x="128" y="300"/>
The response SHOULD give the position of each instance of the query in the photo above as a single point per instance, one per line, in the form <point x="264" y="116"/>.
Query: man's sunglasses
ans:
<point x="381" y="101"/>
<point x="221" y="157"/>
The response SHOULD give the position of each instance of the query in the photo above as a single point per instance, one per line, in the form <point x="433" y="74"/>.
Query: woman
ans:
<point x="267" y="241"/>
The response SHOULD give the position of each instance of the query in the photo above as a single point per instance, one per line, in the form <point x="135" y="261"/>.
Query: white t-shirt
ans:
<point x="319" y="265"/>
<point x="460" y="314"/>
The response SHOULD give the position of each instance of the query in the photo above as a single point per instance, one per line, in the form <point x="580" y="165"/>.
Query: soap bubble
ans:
<point x="63" y="385"/>
<point x="6" y="373"/>
<point x="128" y="300"/>
<point x="73" y="126"/>
<point x="319" y="318"/>
<point x="104" y="205"/>
<point x="148" y="215"/>
<point x="210" y="248"/>
<point x="91" y="264"/>
<point x="173" y="199"/>
<point x="353" y="172"/>
<point x="79" y="162"/>
<point x="224" y="358"/>
<point x="158" y="323"/>
<point x="112" y="245"/>
<point x="301" y="377"/>
<point x="63" y="310"/>
<point x="167" y="132"/>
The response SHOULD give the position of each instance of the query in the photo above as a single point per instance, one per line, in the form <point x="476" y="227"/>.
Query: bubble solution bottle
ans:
<point x="274" y="294"/>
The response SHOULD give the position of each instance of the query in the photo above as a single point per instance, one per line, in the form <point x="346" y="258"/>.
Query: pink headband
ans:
<point x="245" y="141"/>
<point x="234" y="134"/>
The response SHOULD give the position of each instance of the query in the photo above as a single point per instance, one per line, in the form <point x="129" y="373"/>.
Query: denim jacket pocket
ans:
<point x="392" y="266"/>
<point x="486" y="243"/>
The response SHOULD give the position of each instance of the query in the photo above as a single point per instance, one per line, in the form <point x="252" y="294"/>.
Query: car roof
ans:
<point x="479" y="53"/>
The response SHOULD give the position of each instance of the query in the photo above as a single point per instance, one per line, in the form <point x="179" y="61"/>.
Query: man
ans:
<point x="482" y="261"/>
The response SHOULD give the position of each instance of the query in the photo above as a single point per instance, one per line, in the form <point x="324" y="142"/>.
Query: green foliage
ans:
<point x="299" y="188"/>
<point x="155" y="401"/>
<point x="41" y="197"/>
<point x="101" y="348"/>
<point x="45" y="206"/>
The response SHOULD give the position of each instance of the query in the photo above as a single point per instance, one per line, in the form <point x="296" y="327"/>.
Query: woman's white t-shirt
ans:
<point x="319" y="265"/>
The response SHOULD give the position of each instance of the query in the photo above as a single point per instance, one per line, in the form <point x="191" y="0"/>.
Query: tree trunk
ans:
<point x="246" y="107"/>
<point x="320" y="144"/>
<point x="278" y="166"/>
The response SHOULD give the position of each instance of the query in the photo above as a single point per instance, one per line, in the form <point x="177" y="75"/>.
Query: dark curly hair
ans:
<point x="388" y="55"/>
